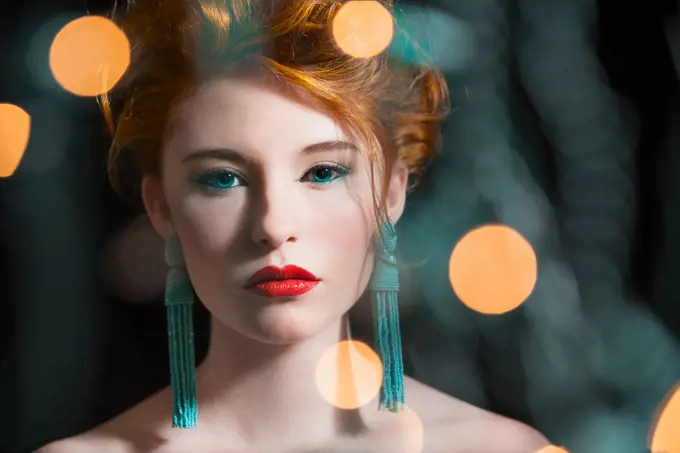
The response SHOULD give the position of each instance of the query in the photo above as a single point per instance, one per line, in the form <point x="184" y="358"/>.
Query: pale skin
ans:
<point x="277" y="199"/>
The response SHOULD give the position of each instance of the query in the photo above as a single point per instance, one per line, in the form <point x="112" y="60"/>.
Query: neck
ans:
<point x="269" y="391"/>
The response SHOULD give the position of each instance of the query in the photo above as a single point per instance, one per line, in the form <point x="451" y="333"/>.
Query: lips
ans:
<point x="289" y="281"/>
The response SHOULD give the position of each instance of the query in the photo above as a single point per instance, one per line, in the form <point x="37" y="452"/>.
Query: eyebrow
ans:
<point x="238" y="157"/>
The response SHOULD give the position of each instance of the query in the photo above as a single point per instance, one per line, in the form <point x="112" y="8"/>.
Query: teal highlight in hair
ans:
<point x="385" y="287"/>
<point x="404" y="46"/>
<point x="179" y="299"/>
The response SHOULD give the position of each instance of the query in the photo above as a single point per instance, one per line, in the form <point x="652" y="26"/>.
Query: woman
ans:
<point x="268" y="151"/>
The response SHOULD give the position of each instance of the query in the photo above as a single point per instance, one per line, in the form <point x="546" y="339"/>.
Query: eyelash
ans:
<point x="207" y="180"/>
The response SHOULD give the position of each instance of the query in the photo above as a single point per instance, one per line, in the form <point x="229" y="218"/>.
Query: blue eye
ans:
<point x="219" y="180"/>
<point x="323" y="174"/>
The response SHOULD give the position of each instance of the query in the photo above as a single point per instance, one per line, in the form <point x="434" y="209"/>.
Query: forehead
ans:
<point x="249" y="115"/>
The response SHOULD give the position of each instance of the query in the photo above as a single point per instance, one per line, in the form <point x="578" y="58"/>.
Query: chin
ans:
<point x="285" y="324"/>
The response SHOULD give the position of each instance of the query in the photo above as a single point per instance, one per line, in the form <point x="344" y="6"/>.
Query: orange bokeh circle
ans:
<point x="349" y="374"/>
<point x="493" y="269"/>
<point x="89" y="56"/>
<point x="363" y="29"/>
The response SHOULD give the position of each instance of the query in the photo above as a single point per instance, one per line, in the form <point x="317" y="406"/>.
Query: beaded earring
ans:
<point x="385" y="287"/>
<point x="179" y="299"/>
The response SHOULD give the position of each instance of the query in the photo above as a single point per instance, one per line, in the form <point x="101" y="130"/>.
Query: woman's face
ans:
<point x="253" y="178"/>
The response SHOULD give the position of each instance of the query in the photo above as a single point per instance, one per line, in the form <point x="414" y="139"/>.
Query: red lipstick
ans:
<point x="289" y="281"/>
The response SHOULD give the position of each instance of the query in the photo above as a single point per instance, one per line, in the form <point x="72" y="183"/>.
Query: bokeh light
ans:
<point x="89" y="56"/>
<point x="666" y="432"/>
<point x="493" y="269"/>
<point x="552" y="449"/>
<point x="15" y="130"/>
<point x="349" y="374"/>
<point x="363" y="29"/>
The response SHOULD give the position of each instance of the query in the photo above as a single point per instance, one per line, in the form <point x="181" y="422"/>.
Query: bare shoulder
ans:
<point x="128" y="432"/>
<point x="430" y="403"/>
<point x="86" y="443"/>
<point x="467" y="427"/>
<point x="502" y="435"/>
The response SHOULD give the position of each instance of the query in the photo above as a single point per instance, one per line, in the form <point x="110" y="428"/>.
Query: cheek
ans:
<point x="347" y="212"/>
<point x="208" y="226"/>
<point x="351" y="229"/>
<point x="347" y="225"/>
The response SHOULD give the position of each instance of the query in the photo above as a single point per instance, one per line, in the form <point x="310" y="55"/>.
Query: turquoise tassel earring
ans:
<point x="385" y="287"/>
<point x="179" y="299"/>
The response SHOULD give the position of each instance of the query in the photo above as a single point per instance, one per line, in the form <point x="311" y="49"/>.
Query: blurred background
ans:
<point x="565" y="127"/>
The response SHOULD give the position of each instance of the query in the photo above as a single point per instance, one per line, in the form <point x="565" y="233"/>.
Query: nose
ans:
<point x="274" y="218"/>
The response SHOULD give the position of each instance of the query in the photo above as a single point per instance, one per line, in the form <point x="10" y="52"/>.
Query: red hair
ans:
<point x="395" y="109"/>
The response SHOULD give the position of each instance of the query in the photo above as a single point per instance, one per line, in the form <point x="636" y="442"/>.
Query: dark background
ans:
<point x="566" y="126"/>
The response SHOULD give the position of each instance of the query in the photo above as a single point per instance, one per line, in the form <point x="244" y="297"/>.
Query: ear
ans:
<point x="157" y="207"/>
<point x="395" y="199"/>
